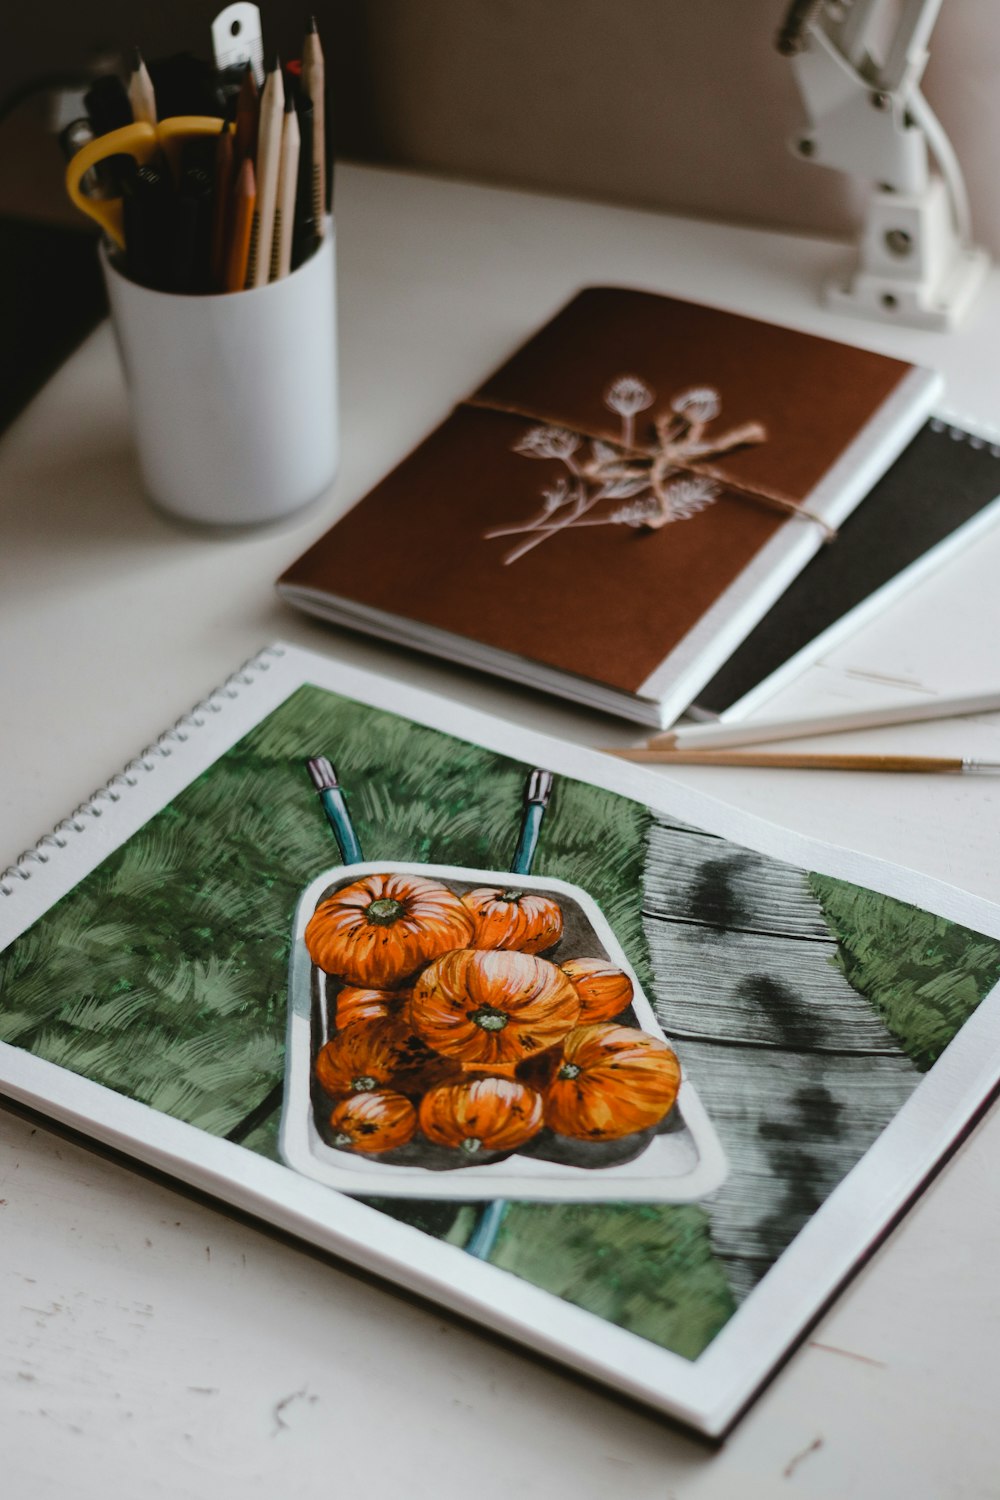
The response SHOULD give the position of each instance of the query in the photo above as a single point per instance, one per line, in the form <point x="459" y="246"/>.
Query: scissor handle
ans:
<point x="142" y="142"/>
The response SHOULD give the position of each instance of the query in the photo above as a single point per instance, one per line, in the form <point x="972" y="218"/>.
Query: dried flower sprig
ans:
<point x="662" y="481"/>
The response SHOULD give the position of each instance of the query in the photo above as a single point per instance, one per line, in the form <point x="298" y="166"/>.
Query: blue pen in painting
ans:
<point x="324" y="779"/>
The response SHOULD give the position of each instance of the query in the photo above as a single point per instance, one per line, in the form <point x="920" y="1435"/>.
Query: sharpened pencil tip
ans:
<point x="136" y="60"/>
<point x="311" y="25"/>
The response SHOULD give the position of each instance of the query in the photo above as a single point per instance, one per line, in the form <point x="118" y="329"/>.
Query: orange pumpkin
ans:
<point x="604" y="989"/>
<point x="376" y="931"/>
<point x="481" y="1114"/>
<point x="613" y="1080"/>
<point x="373" y="1122"/>
<point x="379" y="1054"/>
<point x="506" y="918"/>
<point x="492" y="1006"/>
<point x="356" y="1005"/>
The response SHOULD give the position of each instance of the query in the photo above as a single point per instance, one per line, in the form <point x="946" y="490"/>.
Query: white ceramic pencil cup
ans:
<point x="233" y="396"/>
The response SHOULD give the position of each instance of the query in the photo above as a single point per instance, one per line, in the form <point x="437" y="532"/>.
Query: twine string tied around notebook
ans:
<point x="682" y="448"/>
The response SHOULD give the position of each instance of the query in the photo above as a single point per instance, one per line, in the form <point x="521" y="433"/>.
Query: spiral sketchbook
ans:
<point x="613" y="510"/>
<point x="628" y="1076"/>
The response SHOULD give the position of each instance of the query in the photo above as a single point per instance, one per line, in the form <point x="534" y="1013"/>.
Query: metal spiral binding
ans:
<point x="964" y="429"/>
<point x="23" y="867"/>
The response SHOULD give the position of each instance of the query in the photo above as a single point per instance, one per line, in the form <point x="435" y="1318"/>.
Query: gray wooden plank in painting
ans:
<point x="795" y="1068"/>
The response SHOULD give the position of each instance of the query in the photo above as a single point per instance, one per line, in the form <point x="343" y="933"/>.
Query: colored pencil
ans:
<point x="244" y="200"/>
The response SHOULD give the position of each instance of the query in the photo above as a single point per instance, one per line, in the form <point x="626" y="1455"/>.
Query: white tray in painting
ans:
<point x="682" y="1162"/>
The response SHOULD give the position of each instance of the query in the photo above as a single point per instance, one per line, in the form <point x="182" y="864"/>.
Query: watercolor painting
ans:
<point x="803" y="1010"/>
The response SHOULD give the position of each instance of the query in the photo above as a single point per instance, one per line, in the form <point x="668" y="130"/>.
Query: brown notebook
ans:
<point x="615" y="508"/>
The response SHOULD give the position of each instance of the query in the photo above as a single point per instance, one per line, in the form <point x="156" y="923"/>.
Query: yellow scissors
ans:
<point x="144" y="143"/>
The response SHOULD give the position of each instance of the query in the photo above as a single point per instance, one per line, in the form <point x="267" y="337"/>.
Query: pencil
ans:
<point x="222" y="183"/>
<point x="791" y="761"/>
<point x="247" y="111"/>
<point x="272" y="110"/>
<point x="244" y="199"/>
<point x="288" y="176"/>
<point x="715" y="736"/>
<point x="314" y="83"/>
<point x="141" y="95"/>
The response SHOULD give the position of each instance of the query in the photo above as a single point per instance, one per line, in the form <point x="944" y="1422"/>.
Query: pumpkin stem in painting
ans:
<point x="384" y="912"/>
<point x="488" y="1018"/>
<point x="569" y="1070"/>
<point x="513" y="896"/>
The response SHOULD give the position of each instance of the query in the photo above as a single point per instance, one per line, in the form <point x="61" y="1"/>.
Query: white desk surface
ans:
<point x="152" y="1346"/>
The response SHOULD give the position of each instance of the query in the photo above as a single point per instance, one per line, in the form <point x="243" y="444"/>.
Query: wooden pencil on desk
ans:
<point x="791" y="760"/>
<point x="141" y="94"/>
<point x="314" y="83"/>
<point x="288" y="176"/>
<point x="272" y="114"/>
<point x="244" y="200"/>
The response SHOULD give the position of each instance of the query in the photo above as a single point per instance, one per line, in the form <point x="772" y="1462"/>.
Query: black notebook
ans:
<point x="937" y="497"/>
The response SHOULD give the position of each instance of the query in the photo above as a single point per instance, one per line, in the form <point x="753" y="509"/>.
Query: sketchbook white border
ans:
<point x="707" y="1393"/>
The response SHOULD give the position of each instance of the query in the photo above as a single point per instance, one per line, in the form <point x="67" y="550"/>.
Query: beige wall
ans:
<point x="672" y="103"/>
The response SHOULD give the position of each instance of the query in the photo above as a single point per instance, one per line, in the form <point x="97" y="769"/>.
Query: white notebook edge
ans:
<point x="855" y="619"/>
<point x="679" y="677"/>
<point x="707" y="1393"/>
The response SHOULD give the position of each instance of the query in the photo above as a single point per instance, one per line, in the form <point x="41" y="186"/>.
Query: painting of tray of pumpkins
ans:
<point x="452" y="1028"/>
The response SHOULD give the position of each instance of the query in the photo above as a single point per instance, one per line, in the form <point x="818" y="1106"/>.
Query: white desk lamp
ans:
<point x="916" y="263"/>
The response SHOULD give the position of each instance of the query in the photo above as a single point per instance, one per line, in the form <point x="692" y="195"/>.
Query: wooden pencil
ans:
<point x="247" y="113"/>
<point x="288" y="176"/>
<point x="314" y="83"/>
<point x="272" y="113"/>
<point x="761" y="731"/>
<point x="222" y="203"/>
<point x="141" y="95"/>
<point x="244" y="200"/>
<point x="792" y="761"/>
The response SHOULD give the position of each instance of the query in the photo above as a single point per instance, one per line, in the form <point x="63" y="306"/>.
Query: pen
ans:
<point x="192" y="232"/>
<point x="305" y="237"/>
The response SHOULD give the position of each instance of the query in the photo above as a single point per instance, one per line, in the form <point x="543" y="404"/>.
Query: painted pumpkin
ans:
<point x="492" y="1006"/>
<point x="373" y="1122"/>
<point x="612" y="1081"/>
<point x="604" y="990"/>
<point x="507" y="918"/>
<point x="360" y="1006"/>
<point x="481" y="1114"/>
<point x="377" y="1055"/>
<point x="378" y="930"/>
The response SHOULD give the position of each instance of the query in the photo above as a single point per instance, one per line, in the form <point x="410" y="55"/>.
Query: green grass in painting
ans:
<point x="648" y="1269"/>
<point x="923" y="974"/>
<point x="163" y="974"/>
